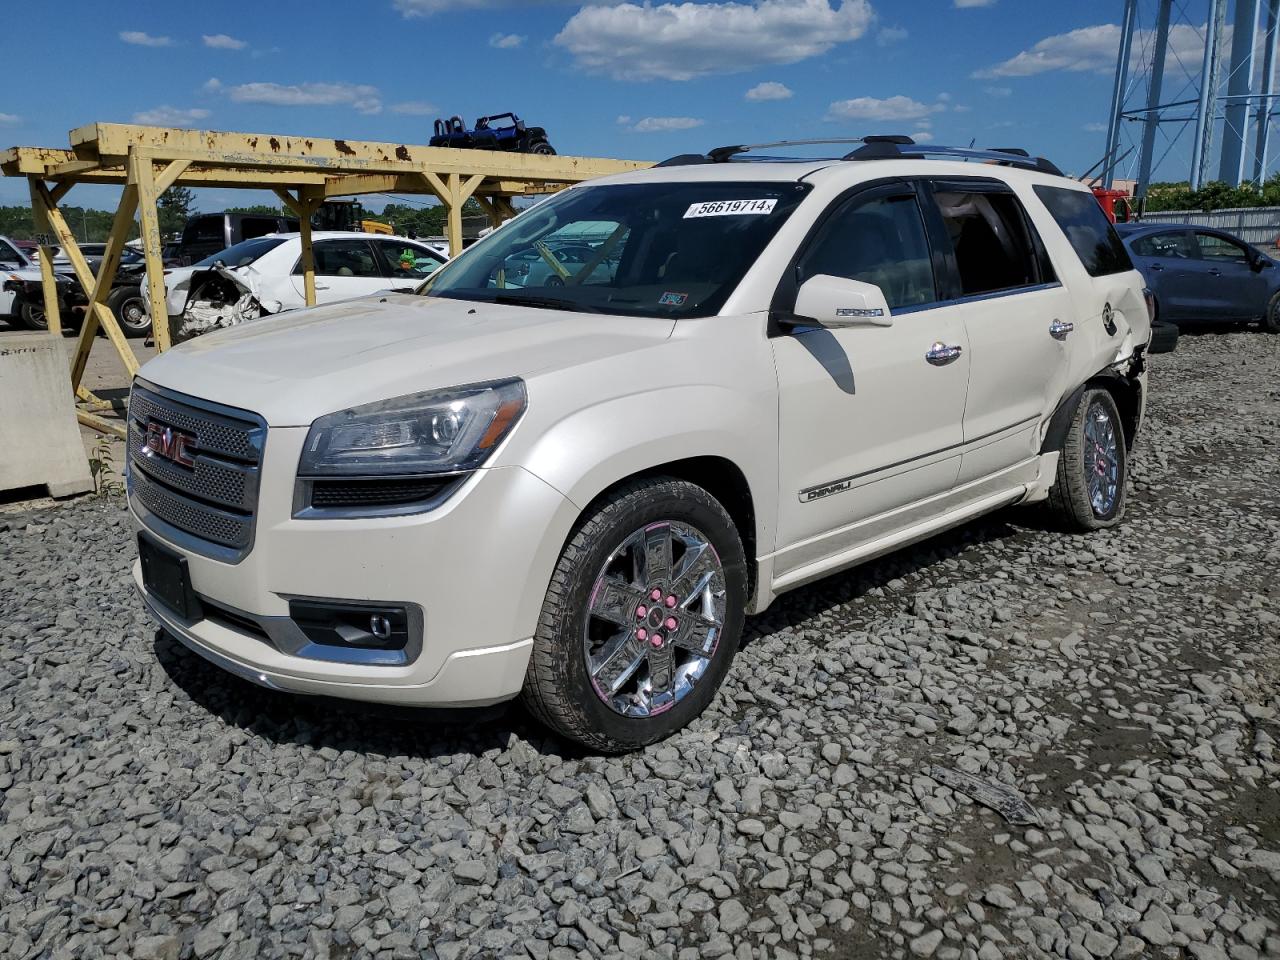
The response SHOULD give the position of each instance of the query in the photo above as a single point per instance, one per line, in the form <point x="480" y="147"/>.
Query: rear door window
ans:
<point x="1169" y="246"/>
<point x="344" y="258"/>
<point x="995" y="246"/>
<point x="880" y="241"/>
<point x="1088" y="230"/>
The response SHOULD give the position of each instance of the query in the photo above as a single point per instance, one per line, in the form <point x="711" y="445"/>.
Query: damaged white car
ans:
<point x="263" y="276"/>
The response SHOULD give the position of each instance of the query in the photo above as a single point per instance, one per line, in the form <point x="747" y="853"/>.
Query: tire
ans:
<point x="130" y="311"/>
<point x="31" y="313"/>
<point x="594" y="616"/>
<point x="1271" y="322"/>
<point x="1164" y="338"/>
<point x="542" y="148"/>
<point x="1076" y="502"/>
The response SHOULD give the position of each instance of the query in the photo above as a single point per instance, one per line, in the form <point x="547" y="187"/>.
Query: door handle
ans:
<point x="940" y="354"/>
<point x="1215" y="272"/>
<point x="322" y="286"/>
<point x="1060" y="330"/>
<point x="1157" y="267"/>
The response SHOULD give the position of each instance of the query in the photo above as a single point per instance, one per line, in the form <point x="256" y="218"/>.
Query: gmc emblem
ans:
<point x="169" y="443"/>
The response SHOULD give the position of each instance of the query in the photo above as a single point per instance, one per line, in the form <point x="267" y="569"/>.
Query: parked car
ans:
<point x="125" y="299"/>
<point x="533" y="268"/>
<point x="1200" y="274"/>
<point x="576" y="493"/>
<point x="12" y="258"/>
<point x="263" y="276"/>
<point x="207" y="233"/>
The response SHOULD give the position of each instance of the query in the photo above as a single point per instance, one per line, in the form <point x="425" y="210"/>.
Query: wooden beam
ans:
<point x="303" y="206"/>
<point x="170" y="175"/>
<point x="48" y="284"/>
<point x="95" y="287"/>
<point x="101" y="425"/>
<point x="109" y="143"/>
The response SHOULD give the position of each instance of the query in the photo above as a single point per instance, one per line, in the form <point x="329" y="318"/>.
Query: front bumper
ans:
<point x="476" y="566"/>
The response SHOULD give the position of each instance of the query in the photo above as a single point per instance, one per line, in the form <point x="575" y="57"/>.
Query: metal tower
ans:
<point x="1230" y="92"/>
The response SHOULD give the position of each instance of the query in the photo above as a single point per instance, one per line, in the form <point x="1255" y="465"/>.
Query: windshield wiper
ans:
<point x="548" y="303"/>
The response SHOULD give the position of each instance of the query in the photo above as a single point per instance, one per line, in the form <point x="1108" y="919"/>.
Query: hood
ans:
<point x="293" y="368"/>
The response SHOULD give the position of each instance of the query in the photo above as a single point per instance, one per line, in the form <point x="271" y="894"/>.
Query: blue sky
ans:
<point x="606" y="78"/>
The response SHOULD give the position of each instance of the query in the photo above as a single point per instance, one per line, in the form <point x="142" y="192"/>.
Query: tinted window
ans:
<point x="204" y="229"/>
<point x="251" y="227"/>
<point x="879" y="241"/>
<point x="344" y="258"/>
<point x="1169" y="246"/>
<point x="9" y="255"/>
<point x="642" y="249"/>
<point x="992" y="240"/>
<point x="1214" y="247"/>
<point x="1090" y="233"/>
<point x="243" y="253"/>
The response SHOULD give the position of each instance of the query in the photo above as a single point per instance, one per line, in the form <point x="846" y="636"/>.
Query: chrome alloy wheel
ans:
<point x="654" y="618"/>
<point x="1101" y="459"/>
<point x="133" y="313"/>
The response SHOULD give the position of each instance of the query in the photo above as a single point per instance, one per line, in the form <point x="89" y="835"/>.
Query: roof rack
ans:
<point x="889" y="147"/>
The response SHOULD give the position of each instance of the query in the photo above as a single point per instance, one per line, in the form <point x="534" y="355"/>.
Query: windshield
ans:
<point x="243" y="253"/>
<point x="647" y="249"/>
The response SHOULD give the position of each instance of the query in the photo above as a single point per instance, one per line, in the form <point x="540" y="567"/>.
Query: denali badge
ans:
<point x="826" y="490"/>
<point x="169" y="443"/>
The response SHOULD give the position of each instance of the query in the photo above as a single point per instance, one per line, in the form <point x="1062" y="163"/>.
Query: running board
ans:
<point x="900" y="538"/>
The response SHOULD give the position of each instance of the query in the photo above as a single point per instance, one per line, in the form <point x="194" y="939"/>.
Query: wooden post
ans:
<point x="303" y="206"/>
<point x="150" y="186"/>
<point x="48" y="285"/>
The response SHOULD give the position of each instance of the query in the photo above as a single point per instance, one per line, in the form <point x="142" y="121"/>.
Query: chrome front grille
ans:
<point x="210" y="503"/>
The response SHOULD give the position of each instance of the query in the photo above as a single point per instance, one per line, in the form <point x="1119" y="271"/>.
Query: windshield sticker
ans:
<point x="672" y="299"/>
<point x="729" y="208"/>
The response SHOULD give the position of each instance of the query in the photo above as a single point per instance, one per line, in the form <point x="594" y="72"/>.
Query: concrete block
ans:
<point x="39" y="436"/>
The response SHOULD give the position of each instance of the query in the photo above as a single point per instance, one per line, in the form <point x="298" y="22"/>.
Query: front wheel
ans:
<point x="642" y="618"/>
<point x="1093" y="469"/>
<point x="130" y="311"/>
<point x="31" y="313"/>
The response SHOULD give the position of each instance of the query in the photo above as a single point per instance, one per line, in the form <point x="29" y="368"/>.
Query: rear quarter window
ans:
<point x="1088" y="230"/>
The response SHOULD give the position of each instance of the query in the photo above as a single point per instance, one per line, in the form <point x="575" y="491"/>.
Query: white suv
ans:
<point x="764" y="373"/>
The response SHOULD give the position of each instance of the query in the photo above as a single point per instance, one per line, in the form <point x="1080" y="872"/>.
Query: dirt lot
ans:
<point x="1126" y="684"/>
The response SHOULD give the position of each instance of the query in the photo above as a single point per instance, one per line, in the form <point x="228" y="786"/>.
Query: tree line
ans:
<point x="177" y="204"/>
<point x="1214" y="195"/>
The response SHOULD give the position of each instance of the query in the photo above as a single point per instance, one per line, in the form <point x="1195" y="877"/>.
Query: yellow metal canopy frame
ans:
<point x="301" y="171"/>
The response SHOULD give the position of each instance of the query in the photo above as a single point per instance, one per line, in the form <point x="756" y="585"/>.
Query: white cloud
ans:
<point x="212" y="85"/>
<point x="680" y="41"/>
<point x="769" y="90"/>
<point x="1094" y="49"/>
<point x="998" y="91"/>
<point x="358" y="96"/>
<point x="9" y="119"/>
<point x="414" y="108"/>
<point x="140" y="39"/>
<point x="506" y="41"/>
<point x="167" y="116"/>
<point x="965" y="4"/>
<point x="1095" y="127"/>
<point x="665" y="124"/>
<point x="890" y="108"/>
<point x="891" y="35"/>
<point x="624" y="119"/>
<point x="426" y="8"/>
<point x="220" y="41"/>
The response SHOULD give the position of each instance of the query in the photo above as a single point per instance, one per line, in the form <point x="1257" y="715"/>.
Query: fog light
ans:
<point x="364" y="626"/>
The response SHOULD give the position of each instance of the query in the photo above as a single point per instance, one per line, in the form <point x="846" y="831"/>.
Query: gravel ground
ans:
<point x="1125" y="683"/>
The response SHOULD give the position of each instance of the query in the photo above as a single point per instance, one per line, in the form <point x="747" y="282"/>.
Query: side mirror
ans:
<point x="836" y="302"/>
<point x="1258" y="264"/>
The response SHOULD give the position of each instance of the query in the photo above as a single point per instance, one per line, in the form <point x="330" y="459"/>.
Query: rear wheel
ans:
<point x="542" y="148"/>
<point x="641" y="620"/>
<point x="130" y="310"/>
<point x="1089" y="492"/>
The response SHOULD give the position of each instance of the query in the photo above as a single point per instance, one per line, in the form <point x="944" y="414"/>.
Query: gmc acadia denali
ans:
<point x="571" y="464"/>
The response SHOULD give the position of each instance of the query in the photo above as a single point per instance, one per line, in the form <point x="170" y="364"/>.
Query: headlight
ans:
<point x="441" y="431"/>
